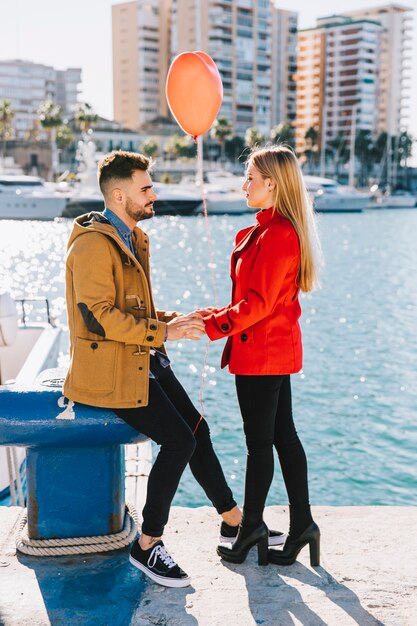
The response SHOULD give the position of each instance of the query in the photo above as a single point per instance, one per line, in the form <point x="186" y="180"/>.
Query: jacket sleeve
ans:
<point x="96" y="297"/>
<point x="274" y="259"/>
<point x="166" y="316"/>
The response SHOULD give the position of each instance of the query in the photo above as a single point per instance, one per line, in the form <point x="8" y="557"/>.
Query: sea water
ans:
<point x="355" y="401"/>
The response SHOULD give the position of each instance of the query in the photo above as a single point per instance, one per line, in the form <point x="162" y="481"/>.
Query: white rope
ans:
<point x="18" y="477"/>
<point x="77" y="545"/>
<point x="11" y="475"/>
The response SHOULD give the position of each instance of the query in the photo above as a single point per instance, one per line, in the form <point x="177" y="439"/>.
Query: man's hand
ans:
<point x="189" y="326"/>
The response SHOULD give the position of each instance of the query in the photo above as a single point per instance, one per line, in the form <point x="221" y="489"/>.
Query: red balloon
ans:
<point x="194" y="91"/>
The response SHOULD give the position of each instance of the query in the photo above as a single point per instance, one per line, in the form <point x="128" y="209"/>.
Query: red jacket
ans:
<point x="261" y="322"/>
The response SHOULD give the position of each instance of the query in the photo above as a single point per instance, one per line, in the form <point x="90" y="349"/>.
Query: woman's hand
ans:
<point x="207" y="311"/>
<point x="189" y="326"/>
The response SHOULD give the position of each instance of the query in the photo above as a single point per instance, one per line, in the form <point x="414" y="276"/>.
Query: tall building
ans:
<point x="395" y="64"/>
<point x="253" y="44"/>
<point x="140" y="60"/>
<point x="28" y="84"/>
<point x="354" y="65"/>
<point x="338" y="77"/>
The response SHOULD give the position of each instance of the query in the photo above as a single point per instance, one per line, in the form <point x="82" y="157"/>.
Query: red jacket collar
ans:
<point x="266" y="216"/>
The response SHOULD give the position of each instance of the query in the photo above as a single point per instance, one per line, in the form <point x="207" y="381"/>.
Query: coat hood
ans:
<point x="89" y="222"/>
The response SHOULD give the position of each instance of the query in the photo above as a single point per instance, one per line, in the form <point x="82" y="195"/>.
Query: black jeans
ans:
<point x="170" y="419"/>
<point x="265" y="404"/>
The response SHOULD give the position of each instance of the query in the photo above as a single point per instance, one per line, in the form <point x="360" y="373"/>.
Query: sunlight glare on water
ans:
<point x="355" y="401"/>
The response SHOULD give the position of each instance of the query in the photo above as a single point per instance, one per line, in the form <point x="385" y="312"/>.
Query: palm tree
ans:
<point x="235" y="148"/>
<point x="7" y="114"/>
<point x="220" y="131"/>
<point x="50" y="114"/>
<point x="310" y="152"/>
<point x="282" y="133"/>
<point x="253" y="137"/>
<point x="339" y="152"/>
<point x="177" y="146"/>
<point x="149" y="147"/>
<point x="64" y="137"/>
<point x="364" y="147"/>
<point x="84" y="117"/>
<point x="50" y="117"/>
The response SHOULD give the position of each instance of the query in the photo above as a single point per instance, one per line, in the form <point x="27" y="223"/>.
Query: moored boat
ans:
<point x="28" y="198"/>
<point x="25" y="350"/>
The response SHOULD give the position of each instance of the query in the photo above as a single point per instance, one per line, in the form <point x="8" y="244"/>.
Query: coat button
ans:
<point x="140" y="368"/>
<point x="152" y="327"/>
<point x="243" y="336"/>
<point x="225" y="326"/>
<point x="139" y="401"/>
<point x="94" y="346"/>
<point x="150" y="338"/>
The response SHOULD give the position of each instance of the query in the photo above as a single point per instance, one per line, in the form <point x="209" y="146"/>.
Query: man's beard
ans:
<point x="138" y="214"/>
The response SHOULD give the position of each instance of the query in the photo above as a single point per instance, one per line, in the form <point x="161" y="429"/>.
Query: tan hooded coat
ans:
<point x="112" y="318"/>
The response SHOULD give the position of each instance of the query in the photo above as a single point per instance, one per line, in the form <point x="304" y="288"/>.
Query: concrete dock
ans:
<point x="368" y="576"/>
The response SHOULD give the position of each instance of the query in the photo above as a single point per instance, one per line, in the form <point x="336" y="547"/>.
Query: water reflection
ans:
<point x="356" y="397"/>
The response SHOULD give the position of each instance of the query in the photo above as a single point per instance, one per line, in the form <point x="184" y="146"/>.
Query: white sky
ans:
<point x="77" y="33"/>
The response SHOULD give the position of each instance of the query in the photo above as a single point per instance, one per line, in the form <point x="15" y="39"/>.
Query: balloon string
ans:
<point x="206" y="223"/>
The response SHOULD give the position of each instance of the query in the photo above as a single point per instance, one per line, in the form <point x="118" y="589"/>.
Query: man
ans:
<point x="118" y="359"/>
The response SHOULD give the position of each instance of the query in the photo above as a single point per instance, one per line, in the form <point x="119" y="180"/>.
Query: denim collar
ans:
<point x="122" y="228"/>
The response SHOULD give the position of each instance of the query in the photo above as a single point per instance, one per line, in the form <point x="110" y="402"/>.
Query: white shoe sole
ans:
<point x="272" y="541"/>
<point x="161" y="580"/>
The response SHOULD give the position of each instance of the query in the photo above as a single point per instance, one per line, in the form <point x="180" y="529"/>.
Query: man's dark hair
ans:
<point x="120" y="165"/>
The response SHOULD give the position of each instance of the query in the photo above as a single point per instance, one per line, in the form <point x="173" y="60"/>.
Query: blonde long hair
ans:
<point x="279" y="163"/>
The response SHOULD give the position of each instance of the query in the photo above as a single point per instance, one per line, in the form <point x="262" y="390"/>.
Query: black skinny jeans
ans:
<point x="170" y="419"/>
<point x="265" y="404"/>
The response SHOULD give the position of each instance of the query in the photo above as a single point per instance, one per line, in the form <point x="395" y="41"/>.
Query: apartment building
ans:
<point x="338" y="77"/>
<point x="253" y="44"/>
<point x="354" y="67"/>
<point x="28" y="84"/>
<point x="140" y="60"/>
<point x="395" y="64"/>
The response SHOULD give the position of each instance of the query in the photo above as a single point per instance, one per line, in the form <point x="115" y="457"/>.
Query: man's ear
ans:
<point x="117" y="195"/>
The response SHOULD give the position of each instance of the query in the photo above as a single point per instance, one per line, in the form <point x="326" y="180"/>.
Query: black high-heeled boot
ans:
<point x="244" y="542"/>
<point x="292" y="547"/>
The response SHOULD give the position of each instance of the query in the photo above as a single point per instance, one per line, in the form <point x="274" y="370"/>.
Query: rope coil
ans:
<point x="77" y="545"/>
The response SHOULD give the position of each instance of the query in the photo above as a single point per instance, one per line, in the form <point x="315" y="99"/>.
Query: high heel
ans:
<point x="292" y="547"/>
<point x="239" y="551"/>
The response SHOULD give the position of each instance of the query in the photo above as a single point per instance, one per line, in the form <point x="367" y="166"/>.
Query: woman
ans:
<point x="271" y="262"/>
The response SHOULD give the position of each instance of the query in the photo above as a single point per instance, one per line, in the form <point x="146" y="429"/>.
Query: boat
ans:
<point x="172" y="200"/>
<point x="29" y="197"/>
<point x="330" y="197"/>
<point x="84" y="195"/>
<point x="224" y="202"/>
<point x="398" y="199"/>
<point x="222" y="190"/>
<point x="25" y="350"/>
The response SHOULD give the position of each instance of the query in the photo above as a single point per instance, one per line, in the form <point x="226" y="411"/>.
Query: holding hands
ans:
<point x="189" y="326"/>
<point x="204" y="312"/>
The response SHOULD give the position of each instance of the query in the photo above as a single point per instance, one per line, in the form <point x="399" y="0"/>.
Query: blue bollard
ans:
<point x="75" y="459"/>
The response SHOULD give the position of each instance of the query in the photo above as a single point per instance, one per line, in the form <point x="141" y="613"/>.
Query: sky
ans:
<point x="77" y="33"/>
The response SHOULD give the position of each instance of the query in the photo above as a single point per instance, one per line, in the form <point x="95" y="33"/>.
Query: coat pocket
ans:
<point x="94" y="365"/>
